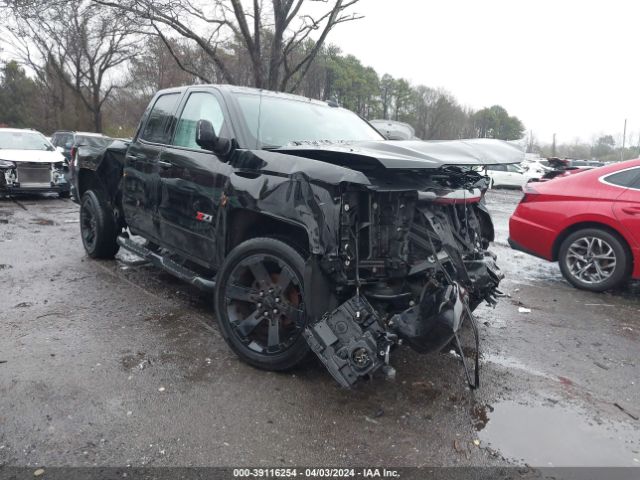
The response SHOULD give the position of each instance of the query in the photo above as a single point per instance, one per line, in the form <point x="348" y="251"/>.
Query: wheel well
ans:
<point x="486" y="225"/>
<point x="246" y="224"/>
<point x="580" y="226"/>
<point x="87" y="180"/>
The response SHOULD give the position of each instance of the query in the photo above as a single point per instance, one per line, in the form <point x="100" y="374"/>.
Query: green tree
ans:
<point x="387" y="86"/>
<point x="355" y="86"/>
<point x="17" y="96"/>
<point x="495" y="122"/>
<point x="603" y="146"/>
<point x="402" y="98"/>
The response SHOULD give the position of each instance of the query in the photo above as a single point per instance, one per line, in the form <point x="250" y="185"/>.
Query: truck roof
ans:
<point x="247" y="90"/>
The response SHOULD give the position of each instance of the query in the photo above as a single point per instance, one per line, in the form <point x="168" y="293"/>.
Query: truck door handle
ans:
<point x="132" y="157"/>
<point x="164" y="165"/>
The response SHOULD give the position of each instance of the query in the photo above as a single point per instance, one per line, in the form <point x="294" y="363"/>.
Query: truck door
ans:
<point x="192" y="180"/>
<point x="141" y="186"/>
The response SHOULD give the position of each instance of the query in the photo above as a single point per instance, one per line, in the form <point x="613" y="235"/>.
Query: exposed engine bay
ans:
<point x="412" y="267"/>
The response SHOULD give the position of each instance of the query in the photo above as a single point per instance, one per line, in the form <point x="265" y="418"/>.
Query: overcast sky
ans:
<point x="564" y="66"/>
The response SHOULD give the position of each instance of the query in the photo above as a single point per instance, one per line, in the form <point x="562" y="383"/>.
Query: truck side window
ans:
<point x="155" y="129"/>
<point x="199" y="106"/>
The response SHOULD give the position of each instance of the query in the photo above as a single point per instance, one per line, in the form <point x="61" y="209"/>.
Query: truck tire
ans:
<point x="98" y="226"/>
<point x="259" y="302"/>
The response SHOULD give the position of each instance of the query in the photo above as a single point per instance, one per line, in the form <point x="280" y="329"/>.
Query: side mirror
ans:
<point x="207" y="139"/>
<point x="59" y="149"/>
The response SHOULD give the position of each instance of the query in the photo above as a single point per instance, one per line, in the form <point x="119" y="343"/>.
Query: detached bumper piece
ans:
<point x="350" y="341"/>
<point x="432" y="324"/>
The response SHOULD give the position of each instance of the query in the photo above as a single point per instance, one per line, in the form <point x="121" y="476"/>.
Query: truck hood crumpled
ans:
<point x="409" y="154"/>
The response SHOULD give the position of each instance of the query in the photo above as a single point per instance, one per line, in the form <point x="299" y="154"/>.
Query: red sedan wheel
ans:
<point x="594" y="259"/>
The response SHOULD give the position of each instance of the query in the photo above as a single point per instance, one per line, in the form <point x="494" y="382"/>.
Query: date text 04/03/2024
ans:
<point x="315" y="473"/>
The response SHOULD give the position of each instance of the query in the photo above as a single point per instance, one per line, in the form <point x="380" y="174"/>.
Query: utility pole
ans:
<point x="624" y="140"/>
<point x="553" y="146"/>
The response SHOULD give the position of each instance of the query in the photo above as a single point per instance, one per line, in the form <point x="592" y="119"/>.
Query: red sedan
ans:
<point x="588" y="222"/>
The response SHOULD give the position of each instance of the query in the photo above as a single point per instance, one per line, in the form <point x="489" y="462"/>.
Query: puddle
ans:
<point x="548" y="435"/>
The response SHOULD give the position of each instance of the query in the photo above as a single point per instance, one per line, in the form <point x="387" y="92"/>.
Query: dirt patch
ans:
<point x="43" y="221"/>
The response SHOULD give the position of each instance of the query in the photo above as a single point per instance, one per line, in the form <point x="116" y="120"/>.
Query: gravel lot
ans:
<point x="114" y="363"/>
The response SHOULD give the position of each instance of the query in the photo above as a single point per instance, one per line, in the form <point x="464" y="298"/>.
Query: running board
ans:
<point x="174" y="268"/>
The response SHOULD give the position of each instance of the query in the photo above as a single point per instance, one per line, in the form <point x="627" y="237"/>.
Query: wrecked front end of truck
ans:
<point x="409" y="265"/>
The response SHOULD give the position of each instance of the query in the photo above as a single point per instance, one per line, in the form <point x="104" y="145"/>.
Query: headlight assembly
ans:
<point x="6" y="165"/>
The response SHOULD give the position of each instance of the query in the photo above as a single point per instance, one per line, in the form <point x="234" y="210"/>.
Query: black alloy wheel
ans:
<point x="98" y="226"/>
<point x="88" y="225"/>
<point x="260" y="303"/>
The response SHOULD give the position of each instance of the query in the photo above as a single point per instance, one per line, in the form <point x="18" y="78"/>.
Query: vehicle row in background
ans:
<point x="561" y="167"/>
<point x="29" y="163"/>
<point x="589" y="223"/>
<point x="506" y="176"/>
<point x="536" y="169"/>
<point x="69" y="143"/>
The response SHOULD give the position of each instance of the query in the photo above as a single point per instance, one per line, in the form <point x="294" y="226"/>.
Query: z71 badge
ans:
<point x="204" y="217"/>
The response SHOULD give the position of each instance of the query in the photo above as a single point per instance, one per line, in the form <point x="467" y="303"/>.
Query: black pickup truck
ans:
<point x="312" y="231"/>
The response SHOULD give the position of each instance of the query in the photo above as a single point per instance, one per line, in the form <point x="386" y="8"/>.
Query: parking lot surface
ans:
<point x="115" y="363"/>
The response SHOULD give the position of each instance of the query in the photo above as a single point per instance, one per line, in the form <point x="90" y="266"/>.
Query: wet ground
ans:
<point x="114" y="363"/>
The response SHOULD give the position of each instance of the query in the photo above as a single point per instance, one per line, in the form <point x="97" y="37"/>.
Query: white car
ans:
<point x="29" y="163"/>
<point x="506" y="176"/>
<point x="536" y="169"/>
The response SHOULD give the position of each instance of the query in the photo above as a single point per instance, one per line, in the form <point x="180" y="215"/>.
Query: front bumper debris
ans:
<point x="350" y="341"/>
<point x="415" y="269"/>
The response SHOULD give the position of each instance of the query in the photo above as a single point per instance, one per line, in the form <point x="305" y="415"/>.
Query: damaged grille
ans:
<point x="34" y="174"/>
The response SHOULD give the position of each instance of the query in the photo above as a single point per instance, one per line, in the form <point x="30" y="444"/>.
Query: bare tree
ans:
<point x="276" y="36"/>
<point x="83" y="42"/>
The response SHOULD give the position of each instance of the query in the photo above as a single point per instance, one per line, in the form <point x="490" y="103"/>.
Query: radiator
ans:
<point x="34" y="174"/>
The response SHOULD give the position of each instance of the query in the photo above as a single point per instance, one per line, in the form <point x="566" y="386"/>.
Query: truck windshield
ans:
<point x="24" y="141"/>
<point x="275" y="122"/>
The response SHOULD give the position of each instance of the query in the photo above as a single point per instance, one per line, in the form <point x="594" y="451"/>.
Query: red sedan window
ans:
<point x="629" y="178"/>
